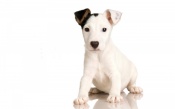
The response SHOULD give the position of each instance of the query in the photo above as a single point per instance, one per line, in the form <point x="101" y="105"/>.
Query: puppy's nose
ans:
<point x="94" y="44"/>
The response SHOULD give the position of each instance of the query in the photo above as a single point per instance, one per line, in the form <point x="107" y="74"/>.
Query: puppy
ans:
<point x="104" y="65"/>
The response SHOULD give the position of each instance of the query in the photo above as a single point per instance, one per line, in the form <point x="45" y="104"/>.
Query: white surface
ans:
<point x="41" y="51"/>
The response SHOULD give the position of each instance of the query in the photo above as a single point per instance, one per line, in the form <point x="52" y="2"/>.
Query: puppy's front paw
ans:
<point x="114" y="98"/>
<point x="135" y="90"/>
<point x="80" y="100"/>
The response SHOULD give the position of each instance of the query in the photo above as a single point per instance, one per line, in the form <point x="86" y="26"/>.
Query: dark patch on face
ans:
<point x="87" y="18"/>
<point x="95" y="14"/>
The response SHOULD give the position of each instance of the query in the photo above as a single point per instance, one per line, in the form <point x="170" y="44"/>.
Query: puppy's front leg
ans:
<point x="90" y="69"/>
<point x="85" y="85"/>
<point x="114" y="93"/>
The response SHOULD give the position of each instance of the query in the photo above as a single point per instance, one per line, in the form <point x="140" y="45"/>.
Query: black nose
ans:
<point x="94" y="44"/>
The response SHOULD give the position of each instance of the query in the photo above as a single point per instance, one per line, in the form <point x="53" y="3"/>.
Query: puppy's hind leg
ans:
<point x="94" y="91"/>
<point x="131" y="86"/>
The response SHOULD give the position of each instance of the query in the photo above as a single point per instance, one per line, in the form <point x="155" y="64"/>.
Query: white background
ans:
<point x="42" y="50"/>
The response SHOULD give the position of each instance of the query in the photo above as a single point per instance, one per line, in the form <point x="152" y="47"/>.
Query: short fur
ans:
<point x="105" y="66"/>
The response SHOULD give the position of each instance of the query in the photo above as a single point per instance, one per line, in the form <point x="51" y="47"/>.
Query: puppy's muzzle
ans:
<point x="94" y="44"/>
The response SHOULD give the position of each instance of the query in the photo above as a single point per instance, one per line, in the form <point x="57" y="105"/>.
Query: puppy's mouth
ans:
<point x="95" y="50"/>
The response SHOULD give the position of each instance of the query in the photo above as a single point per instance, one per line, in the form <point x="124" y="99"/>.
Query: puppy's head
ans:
<point x="96" y="27"/>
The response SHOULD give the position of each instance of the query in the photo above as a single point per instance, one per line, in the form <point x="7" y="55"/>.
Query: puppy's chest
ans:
<point x="101" y="76"/>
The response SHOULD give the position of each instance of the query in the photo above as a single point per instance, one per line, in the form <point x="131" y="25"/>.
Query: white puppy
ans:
<point x="104" y="65"/>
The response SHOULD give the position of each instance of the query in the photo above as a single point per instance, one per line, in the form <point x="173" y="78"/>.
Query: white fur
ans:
<point x="106" y="67"/>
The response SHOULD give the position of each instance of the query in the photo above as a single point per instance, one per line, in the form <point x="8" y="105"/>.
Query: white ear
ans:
<point x="113" y="16"/>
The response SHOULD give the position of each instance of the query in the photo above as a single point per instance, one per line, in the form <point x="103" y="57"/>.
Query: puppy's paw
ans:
<point x="80" y="100"/>
<point x="94" y="91"/>
<point x="135" y="90"/>
<point x="114" y="98"/>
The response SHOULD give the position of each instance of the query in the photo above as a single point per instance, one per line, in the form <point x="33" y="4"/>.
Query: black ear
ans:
<point x="82" y="15"/>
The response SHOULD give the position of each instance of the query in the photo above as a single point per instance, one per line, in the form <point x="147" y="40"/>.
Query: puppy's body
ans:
<point x="104" y="65"/>
<point x="111" y="57"/>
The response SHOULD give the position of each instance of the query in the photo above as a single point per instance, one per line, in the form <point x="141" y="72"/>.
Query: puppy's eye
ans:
<point x="104" y="29"/>
<point x="86" y="29"/>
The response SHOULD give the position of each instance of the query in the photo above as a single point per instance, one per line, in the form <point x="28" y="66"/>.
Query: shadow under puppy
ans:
<point x="104" y="65"/>
<point x="129" y="102"/>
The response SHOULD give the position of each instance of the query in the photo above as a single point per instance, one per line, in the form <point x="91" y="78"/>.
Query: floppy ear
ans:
<point x="82" y="15"/>
<point x="113" y="16"/>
